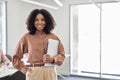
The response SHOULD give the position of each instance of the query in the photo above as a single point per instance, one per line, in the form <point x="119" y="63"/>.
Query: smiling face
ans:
<point x="39" y="22"/>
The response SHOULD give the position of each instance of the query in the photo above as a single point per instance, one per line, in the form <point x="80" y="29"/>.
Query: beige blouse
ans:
<point x="36" y="46"/>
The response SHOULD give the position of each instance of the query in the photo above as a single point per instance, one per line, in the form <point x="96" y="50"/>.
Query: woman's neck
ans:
<point x="40" y="32"/>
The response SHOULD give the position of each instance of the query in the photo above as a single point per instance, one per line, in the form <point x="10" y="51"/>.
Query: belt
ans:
<point x="35" y="64"/>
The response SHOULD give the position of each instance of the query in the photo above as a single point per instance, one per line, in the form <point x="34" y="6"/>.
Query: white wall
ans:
<point x="17" y="12"/>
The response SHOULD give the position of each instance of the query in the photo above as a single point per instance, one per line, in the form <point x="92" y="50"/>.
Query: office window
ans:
<point x="95" y="40"/>
<point x="3" y="26"/>
<point x="111" y="40"/>
<point x="85" y="40"/>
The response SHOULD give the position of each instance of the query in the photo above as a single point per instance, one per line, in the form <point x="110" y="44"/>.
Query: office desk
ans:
<point x="6" y="70"/>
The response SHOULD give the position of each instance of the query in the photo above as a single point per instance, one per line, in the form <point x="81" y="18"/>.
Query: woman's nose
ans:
<point x="39" y="21"/>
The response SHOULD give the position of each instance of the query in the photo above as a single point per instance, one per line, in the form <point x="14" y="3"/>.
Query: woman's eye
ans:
<point x="42" y="19"/>
<point x="36" y="19"/>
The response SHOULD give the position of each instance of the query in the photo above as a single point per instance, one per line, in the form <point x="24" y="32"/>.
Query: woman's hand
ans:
<point x="7" y="63"/>
<point x="48" y="59"/>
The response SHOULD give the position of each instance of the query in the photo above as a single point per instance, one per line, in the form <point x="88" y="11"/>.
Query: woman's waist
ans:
<point x="35" y="64"/>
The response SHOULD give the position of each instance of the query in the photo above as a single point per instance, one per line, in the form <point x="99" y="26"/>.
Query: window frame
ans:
<point x="4" y="26"/>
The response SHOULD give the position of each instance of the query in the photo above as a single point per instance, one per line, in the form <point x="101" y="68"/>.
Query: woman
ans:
<point x="40" y="24"/>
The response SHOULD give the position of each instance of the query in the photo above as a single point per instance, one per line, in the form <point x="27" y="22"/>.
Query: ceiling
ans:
<point x="69" y="2"/>
<point x="76" y="1"/>
<point x="51" y="2"/>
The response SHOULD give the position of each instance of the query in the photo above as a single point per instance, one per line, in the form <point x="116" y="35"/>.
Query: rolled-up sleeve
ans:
<point x="21" y="48"/>
<point x="60" y="57"/>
